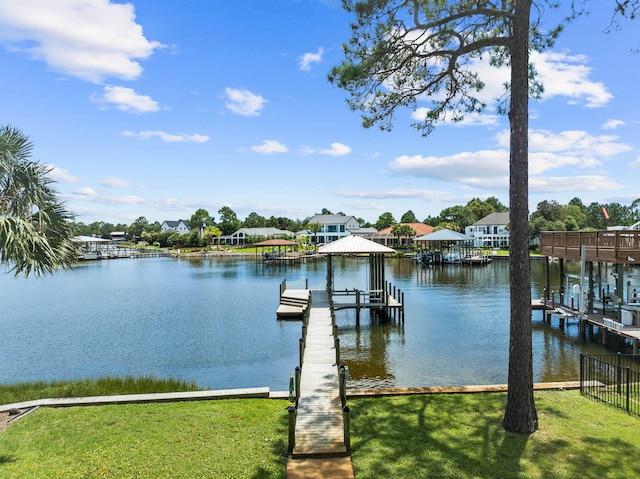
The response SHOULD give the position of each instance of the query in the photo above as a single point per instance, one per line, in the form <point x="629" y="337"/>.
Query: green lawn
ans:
<point x="211" y="439"/>
<point x="460" y="436"/>
<point x="427" y="436"/>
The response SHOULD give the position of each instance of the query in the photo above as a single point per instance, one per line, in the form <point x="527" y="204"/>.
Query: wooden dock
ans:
<point x="319" y="427"/>
<point x="318" y="447"/>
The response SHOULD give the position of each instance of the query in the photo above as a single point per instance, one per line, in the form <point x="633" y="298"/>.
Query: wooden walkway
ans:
<point x="319" y="422"/>
<point x="319" y="432"/>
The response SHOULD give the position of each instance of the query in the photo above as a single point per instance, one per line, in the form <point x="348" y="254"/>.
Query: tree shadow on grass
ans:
<point x="461" y="436"/>
<point x="445" y="437"/>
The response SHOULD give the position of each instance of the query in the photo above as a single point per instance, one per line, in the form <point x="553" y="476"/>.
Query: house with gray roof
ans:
<point x="334" y="227"/>
<point x="251" y="235"/>
<point x="491" y="231"/>
<point x="179" y="226"/>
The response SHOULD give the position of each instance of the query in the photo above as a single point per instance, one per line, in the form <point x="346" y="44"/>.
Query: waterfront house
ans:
<point x="250" y="235"/>
<point x="387" y="238"/>
<point x="490" y="232"/>
<point x="178" y="226"/>
<point x="334" y="227"/>
<point x="118" y="236"/>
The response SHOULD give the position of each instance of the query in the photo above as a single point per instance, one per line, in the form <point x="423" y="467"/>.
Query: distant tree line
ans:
<point x="550" y="215"/>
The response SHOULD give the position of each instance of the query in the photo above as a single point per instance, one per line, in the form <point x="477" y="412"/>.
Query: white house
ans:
<point x="243" y="234"/>
<point x="491" y="231"/>
<point x="178" y="226"/>
<point x="334" y="227"/>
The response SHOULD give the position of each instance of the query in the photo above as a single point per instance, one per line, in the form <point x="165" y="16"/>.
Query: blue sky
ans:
<point x="157" y="108"/>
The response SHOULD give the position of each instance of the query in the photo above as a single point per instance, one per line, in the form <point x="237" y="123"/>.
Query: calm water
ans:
<point x="213" y="321"/>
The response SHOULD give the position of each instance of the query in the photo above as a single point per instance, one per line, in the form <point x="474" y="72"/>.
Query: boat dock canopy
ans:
<point x="611" y="246"/>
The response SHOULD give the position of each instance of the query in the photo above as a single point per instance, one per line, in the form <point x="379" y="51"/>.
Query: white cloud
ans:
<point x="118" y="183"/>
<point x="87" y="39"/>
<point x="269" y="147"/>
<point x="635" y="163"/>
<point x="613" y="124"/>
<point x="60" y="174"/>
<point x="435" y="195"/>
<point x="126" y="99"/>
<point x="85" y="191"/>
<point x="570" y="184"/>
<point x="308" y="59"/>
<point x="337" y="149"/>
<point x="483" y="164"/>
<point x="168" y="137"/>
<point x="567" y="75"/>
<point x="560" y="73"/>
<point x="243" y="102"/>
<point x="566" y="151"/>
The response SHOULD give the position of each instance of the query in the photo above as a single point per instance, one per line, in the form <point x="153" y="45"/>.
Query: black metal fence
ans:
<point x="613" y="379"/>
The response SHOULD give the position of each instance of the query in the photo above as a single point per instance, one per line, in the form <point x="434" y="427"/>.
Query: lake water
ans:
<point x="213" y="320"/>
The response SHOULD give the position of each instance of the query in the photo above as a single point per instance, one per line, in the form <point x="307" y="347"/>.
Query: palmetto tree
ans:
<point x="210" y="232"/>
<point x="35" y="228"/>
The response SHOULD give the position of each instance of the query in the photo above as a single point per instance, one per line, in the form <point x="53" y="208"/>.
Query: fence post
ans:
<point x="347" y="428"/>
<point x="292" y="428"/>
<point x="628" y="388"/>
<point x="619" y="374"/>
<point x="581" y="374"/>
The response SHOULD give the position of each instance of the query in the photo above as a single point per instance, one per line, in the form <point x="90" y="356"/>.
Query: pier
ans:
<point x="319" y="440"/>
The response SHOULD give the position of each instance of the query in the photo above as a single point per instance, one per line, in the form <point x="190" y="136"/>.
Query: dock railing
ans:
<point x="613" y="379"/>
<point x="390" y="299"/>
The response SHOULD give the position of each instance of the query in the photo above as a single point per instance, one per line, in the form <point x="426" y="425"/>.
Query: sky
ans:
<point x="157" y="108"/>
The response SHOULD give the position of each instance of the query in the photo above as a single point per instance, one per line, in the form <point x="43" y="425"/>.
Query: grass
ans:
<point x="461" y="436"/>
<point x="106" y="386"/>
<point x="214" y="439"/>
<point x="428" y="436"/>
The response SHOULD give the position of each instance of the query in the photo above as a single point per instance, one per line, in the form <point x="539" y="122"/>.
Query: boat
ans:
<point x="89" y="255"/>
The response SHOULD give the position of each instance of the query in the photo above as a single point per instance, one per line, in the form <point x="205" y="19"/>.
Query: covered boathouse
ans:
<point x="620" y="248"/>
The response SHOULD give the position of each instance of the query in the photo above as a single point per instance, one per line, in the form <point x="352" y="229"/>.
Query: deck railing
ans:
<point x="618" y="246"/>
<point x="613" y="379"/>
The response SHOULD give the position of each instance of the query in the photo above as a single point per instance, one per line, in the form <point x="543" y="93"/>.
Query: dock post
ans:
<point x="402" y="308"/>
<point x="635" y="345"/>
<point x="301" y="350"/>
<point x="292" y="428"/>
<point x="298" y="379"/>
<point x="347" y="428"/>
<point x="336" y="343"/>
<point x="342" y="384"/>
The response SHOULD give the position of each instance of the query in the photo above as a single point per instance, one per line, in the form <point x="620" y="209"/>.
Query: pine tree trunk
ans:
<point x="520" y="414"/>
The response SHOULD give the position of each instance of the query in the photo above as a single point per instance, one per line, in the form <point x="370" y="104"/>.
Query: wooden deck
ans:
<point x="319" y="427"/>
<point x="611" y="246"/>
